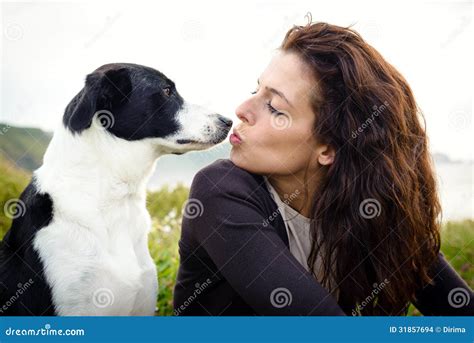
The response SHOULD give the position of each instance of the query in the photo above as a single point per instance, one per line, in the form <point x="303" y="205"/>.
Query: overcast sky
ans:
<point x="216" y="50"/>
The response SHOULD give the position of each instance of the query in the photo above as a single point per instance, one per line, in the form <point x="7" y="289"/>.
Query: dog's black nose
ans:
<point x="224" y="120"/>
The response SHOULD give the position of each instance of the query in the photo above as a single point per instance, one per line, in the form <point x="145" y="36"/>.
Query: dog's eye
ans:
<point x="167" y="91"/>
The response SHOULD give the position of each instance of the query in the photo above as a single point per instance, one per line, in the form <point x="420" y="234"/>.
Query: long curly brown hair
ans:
<point x="376" y="214"/>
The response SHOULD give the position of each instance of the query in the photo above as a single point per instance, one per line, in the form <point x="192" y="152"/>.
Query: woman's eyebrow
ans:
<point x="277" y="92"/>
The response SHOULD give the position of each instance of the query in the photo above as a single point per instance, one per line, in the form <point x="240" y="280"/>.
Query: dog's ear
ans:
<point x="103" y="91"/>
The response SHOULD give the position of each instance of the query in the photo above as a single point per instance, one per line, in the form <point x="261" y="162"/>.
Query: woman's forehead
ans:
<point x="288" y="73"/>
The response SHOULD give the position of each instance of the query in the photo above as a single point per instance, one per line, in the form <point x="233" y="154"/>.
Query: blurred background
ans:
<point x="215" y="51"/>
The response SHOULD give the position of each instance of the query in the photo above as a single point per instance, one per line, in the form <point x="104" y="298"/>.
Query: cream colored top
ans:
<point x="298" y="231"/>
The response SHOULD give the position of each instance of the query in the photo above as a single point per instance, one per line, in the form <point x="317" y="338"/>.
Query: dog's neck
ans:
<point x="96" y="169"/>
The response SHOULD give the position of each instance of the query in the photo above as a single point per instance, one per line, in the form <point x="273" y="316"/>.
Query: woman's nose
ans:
<point x="241" y="116"/>
<point x="244" y="113"/>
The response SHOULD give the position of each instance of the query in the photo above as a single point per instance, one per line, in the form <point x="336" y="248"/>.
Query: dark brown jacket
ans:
<point x="235" y="259"/>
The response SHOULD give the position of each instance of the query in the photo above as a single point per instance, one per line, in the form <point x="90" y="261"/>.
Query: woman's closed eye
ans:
<point x="273" y="110"/>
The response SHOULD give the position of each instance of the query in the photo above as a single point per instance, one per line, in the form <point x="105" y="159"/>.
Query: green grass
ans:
<point x="165" y="207"/>
<point x="12" y="182"/>
<point x="457" y="244"/>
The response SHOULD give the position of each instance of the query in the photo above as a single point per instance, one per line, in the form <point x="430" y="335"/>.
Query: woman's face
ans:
<point x="275" y="135"/>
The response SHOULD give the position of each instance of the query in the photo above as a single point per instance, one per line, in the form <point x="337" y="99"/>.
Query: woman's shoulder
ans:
<point x="224" y="175"/>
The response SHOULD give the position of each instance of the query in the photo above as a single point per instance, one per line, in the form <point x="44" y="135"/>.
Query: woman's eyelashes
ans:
<point x="269" y="106"/>
<point x="273" y="110"/>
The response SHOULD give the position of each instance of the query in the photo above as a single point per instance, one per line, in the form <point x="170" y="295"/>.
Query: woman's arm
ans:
<point x="448" y="296"/>
<point x="248" y="252"/>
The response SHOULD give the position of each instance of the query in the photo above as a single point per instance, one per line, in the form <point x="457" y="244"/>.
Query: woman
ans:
<point x="328" y="204"/>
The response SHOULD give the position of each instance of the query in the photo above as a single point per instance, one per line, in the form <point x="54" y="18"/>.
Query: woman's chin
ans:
<point x="235" y="157"/>
<point x="245" y="162"/>
<point x="239" y="159"/>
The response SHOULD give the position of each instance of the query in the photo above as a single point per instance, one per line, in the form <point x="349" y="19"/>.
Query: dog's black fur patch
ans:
<point x="23" y="288"/>
<point x="143" y="102"/>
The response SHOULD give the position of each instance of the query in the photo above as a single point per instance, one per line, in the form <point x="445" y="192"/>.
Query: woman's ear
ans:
<point x="325" y="155"/>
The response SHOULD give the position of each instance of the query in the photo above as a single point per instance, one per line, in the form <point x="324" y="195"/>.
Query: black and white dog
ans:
<point x="80" y="245"/>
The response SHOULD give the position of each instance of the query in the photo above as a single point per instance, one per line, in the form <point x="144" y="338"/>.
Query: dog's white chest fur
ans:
<point x="95" y="251"/>
<point x="110" y="273"/>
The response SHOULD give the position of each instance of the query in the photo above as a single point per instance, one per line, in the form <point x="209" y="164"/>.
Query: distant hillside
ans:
<point x="23" y="146"/>
<point x="440" y="158"/>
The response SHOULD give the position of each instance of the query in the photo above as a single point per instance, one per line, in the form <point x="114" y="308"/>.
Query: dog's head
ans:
<point x="135" y="102"/>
